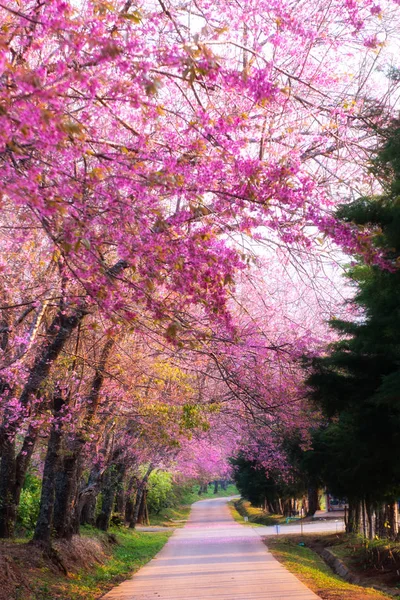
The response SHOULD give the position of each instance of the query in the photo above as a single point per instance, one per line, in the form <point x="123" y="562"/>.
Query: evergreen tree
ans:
<point x="357" y="384"/>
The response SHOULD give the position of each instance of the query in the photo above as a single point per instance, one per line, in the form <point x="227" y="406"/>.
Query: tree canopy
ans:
<point x="170" y="175"/>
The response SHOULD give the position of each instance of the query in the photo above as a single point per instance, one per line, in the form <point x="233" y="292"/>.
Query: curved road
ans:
<point x="213" y="558"/>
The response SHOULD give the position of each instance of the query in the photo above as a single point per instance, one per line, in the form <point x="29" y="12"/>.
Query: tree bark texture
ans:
<point x="46" y="511"/>
<point x="353" y="516"/>
<point x="139" y="494"/>
<point x="66" y="485"/>
<point x="13" y="469"/>
<point x="313" y="501"/>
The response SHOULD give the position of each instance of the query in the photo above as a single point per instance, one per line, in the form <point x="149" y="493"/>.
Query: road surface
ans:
<point x="213" y="558"/>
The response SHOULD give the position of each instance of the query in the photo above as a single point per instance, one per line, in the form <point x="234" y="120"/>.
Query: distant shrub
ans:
<point x="117" y="520"/>
<point x="28" y="509"/>
<point x="160" y="491"/>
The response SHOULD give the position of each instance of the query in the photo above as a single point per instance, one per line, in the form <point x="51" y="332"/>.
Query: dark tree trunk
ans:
<point x="8" y="507"/>
<point x="88" y="512"/>
<point x="24" y="459"/>
<point x="216" y="485"/>
<point x="203" y="489"/>
<point x="363" y="518"/>
<point x="393" y="517"/>
<point x="44" y="523"/>
<point x="370" y="520"/>
<point x="13" y="469"/>
<point x="130" y="498"/>
<point x="353" y="516"/>
<point x="136" y="509"/>
<point x="86" y="505"/>
<point x="139" y="495"/>
<point x="62" y="328"/>
<point x="313" y="501"/>
<point x="380" y="520"/>
<point x="269" y="506"/>
<point x="67" y="508"/>
<point x="287" y="507"/>
<point x="143" y="514"/>
<point x="108" y="497"/>
<point x="112" y="478"/>
<point x="120" y="499"/>
<point x="67" y="479"/>
<point x="386" y="520"/>
<point x="129" y="508"/>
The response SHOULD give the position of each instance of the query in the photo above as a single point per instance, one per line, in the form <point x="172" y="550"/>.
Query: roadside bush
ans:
<point x="381" y="554"/>
<point x="28" y="509"/>
<point x="160" y="491"/>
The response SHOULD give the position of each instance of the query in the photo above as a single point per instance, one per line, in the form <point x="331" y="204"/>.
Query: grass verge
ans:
<point x="96" y="562"/>
<point x="256" y="516"/>
<point x="315" y="574"/>
<point x="374" y="562"/>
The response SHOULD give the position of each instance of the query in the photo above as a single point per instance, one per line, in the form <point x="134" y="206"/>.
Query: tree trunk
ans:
<point x="370" y="520"/>
<point x="24" y="459"/>
<point x="13" y="470"/>
<point x="120" y="499"/>
<point x="287" y="508"/>
<point x="139" y="494"/>
<point x="108" y="497"/>
<point x="364" y="519"/>
<point x="88" y="512"/>
<point x="67" y="479"/>
<point x="8" y="507"/>
<point x="386" y="520"/>
<point x="130" y="499"/>
<point x="216" y="485"/>
<point x="46" y="511"/>
<point x="393" y="517"/>
<point x="203" y="489"/>
<point x="129" y="508"/>
<point x="313" y="501"/>
<point x="87" y="498"/>
<point x="12" y="476"/>
<point x="353" y="517"/>
<point x="67" y="509"/>
<point x="143" y="514"/>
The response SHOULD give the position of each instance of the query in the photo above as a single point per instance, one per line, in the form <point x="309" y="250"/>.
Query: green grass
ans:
<point x="256" y="516"/>
<point x="375" y="561"/>
<point x="176" y="516"/>
<point x="171" y="517"/>
<point x="378" y="554"/>
<point x="312" y="570"/>
<point x="134" y="550"/>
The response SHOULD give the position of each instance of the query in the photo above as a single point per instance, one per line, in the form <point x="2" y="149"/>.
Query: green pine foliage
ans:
<point x="357" y="384"/>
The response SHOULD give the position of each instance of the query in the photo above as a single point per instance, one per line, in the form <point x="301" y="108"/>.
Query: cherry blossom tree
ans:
<point x="140" y="144"/>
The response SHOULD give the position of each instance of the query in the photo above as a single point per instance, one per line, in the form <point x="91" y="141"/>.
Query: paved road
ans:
<point x="213" y="558"/>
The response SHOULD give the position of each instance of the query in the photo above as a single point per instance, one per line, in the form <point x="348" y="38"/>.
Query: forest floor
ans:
<point x="94" y="562"/>
<point x="299" y="555"/>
